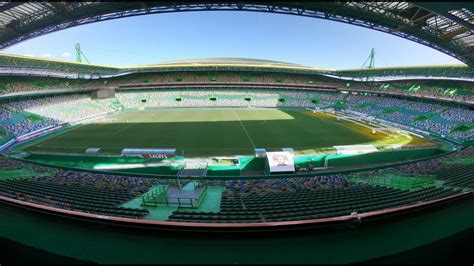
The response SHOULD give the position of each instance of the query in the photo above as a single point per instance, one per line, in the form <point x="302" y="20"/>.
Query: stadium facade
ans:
<point x="146" y="148"/>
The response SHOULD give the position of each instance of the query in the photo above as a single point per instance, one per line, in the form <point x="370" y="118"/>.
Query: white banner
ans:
<point x="281" y="161"/>
<point x="355" y="149"/>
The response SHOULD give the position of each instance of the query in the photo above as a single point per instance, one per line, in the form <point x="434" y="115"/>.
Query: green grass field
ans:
<point x="209" y="132"/>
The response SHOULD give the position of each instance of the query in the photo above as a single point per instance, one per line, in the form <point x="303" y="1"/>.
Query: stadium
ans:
<point x="260" y="156"/>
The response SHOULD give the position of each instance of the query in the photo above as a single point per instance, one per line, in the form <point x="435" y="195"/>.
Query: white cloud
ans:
<point x="66" y="54"/>
<point x="30" y="55"/>
<point x="46" y="55"/>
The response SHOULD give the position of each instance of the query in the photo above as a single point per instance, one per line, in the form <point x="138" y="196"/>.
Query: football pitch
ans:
<point x="204" y="132"/>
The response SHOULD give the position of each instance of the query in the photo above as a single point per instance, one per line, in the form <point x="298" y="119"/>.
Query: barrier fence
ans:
<point x="158" y="197"/>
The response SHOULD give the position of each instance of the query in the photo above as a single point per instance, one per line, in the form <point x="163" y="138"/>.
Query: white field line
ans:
<point x="131" y="124"/>
<point x="122" y="129"/>
<point x="382" y="129"/>
<point x="58" y="134"/>
<point x="242" y="125"/>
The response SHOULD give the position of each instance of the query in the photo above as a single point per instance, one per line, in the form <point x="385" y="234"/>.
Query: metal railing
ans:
<point x="155" y="199"/>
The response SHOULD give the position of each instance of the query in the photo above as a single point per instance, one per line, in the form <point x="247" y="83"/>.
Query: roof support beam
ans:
<point x="453" y="33"/>
<point x="430" y="8"/>
<point x="9" y="30"/>
<point x="61" y="7"/>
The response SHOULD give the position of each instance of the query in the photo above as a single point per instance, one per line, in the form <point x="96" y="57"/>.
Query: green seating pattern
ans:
<point x="84" y="198"/>
<point x="311" y="204"/>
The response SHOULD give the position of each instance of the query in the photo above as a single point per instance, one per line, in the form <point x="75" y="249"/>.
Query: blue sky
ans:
<point x="153" y="39"/>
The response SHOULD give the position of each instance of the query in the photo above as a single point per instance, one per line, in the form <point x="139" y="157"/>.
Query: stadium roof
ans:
<point x="447" y="27"/>
<point x="452" y="71"/>
<point x="24" y="65"/>
<point x="228" y="60"/>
